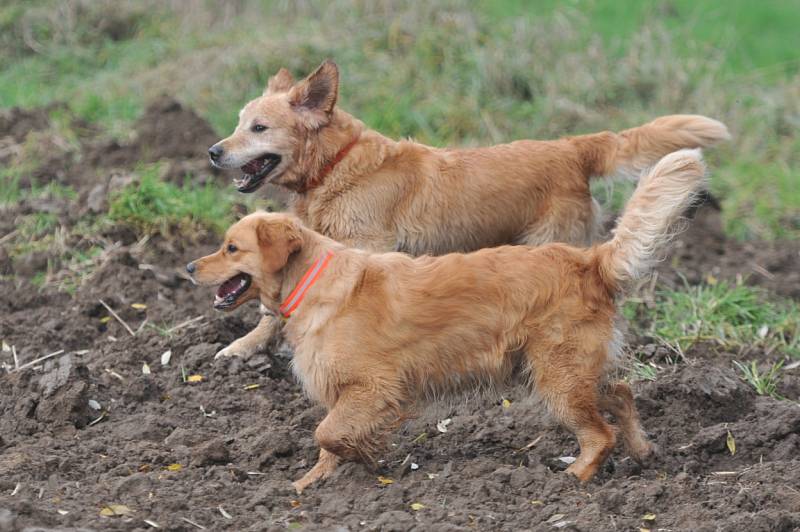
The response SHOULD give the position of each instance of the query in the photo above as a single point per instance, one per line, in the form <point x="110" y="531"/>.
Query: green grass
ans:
<point x="763" y="382"/>
<point x="733" y="316"/>
<point x="152" y="205"/>
<point x="446" y="73"/>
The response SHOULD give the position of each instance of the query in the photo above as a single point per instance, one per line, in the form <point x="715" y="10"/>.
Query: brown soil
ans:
<point x="239" y="446"/>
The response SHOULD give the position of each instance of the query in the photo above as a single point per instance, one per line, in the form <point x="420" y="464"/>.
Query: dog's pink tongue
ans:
<point x="228" y="287"/>
<point x="252" y="167"/>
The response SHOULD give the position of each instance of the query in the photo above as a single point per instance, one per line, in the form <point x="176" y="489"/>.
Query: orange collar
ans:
<point x="314" y="183"/>
<point x="294" y="299"/>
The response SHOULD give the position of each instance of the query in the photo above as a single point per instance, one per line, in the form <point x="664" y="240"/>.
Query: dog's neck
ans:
<point x="339" y="145"/>
<point x="314" y="247"/>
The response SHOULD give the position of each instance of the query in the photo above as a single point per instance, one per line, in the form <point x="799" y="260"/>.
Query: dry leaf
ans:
<point x="105" y="319"/>
<point x="649" y="517"/>
<point x="567" y="459"/>
<point x="385" y="481"/>
<point x="6" y="347"/>
<point x="145" y="369"/>
<point x="731" y="443"/>
<point x="432" y="476"/>
<point x="441" y="426"/>
<point x="294" y="503"/>
<point x="194" y="378"/>
<point x="138" y="306"/>
<point x="710" y="279"/>
<point x="115" y="509"/>
<point x="644" y="529"/>
<point x="417" y="506"/>
<point x="506" y="403"/>
<point x="94" y="405"/>
<point x="555" y="517"/>
<point x="165" y="356"/>
<point x="252" y="386"/>
<point x="537" y="502"/>
<point x="174" y="467"/>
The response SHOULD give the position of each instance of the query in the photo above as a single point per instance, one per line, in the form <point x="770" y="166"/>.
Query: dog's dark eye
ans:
<point x="258" y="128"/>
<point x="232" y="248"/>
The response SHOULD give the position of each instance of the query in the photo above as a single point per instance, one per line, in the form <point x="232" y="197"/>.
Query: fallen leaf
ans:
<point x="94" y="405"/>
<point x="417" y="506"/>
<point x="506" y="403"/>
<point x="174" y="467"/>
<point x="385" y="481"/>
<point x="252" y="386"/>
<point x="710" y="279"/>
<point x="115" y="509"/>
<point x="555" y="517"/>
<point x="432" y="476"/>
<point x="165" y="356"/>
<point x="649" y="517"/>
<point x="138" y="306"/>
<point x="6" y="347"/>
<point x="567" y="459"/>
<point x="294" y="503"/>
<point x="731" y="443"/>
<point x="105" y="319"/>
<point x="145" y="369"/>
<point x="441" y="426"/>
<point x="194" y="378"/>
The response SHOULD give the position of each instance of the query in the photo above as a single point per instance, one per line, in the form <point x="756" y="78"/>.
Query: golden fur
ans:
<point x="386" y="195"/>
<point x="379" y="332"/>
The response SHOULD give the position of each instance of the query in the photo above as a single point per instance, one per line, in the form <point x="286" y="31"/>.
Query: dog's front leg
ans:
<point x="254" y="341"/>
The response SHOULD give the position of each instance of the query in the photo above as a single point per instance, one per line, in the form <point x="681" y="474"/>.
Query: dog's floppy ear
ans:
<point x="280" y="82"/>
<point x="278" y="240"/>
<point x="317" y="93"/>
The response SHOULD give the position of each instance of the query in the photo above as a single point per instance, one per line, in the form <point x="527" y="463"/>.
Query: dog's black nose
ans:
<point x="215" y="152"/>
<point x="191" y="267"/>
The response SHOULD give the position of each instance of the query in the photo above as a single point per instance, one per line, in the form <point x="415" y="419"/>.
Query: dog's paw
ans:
<point x="233" y="350"/>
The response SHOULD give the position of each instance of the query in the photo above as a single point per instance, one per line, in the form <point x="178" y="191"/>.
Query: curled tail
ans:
<point x="632" y="151"/>
<point x="660" y="198"/>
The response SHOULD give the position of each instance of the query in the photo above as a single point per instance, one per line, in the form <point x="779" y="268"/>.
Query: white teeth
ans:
<point x="242" y="282"/>
<point x="217" y="300"/>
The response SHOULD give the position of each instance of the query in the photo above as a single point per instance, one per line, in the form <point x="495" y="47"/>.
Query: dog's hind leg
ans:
<point x="617" y="400"/>
<point x="352" y="430"/>
<point x="568" y="386"/>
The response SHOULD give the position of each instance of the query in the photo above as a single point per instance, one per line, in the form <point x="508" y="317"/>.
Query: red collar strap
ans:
<point x="314" y="183"/>
<point x="291" y="303"/>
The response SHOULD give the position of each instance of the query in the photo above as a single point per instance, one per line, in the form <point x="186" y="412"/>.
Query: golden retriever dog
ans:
<point x="376" y="334"/>
<point x="360" y="188"/>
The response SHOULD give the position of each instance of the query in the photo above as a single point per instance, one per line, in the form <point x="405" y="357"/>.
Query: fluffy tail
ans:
<point x="660" y="198"/>
<point x="632" y="151"/>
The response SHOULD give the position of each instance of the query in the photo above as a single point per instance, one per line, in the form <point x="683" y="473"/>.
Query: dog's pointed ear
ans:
<point x="278" y="240"/>
<point x="317" y="93"/>
<point x="280" y="82"/>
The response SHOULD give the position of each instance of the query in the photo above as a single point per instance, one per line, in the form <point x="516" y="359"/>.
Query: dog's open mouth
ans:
<point x="255" y="171"/>
<point x="231" y="290"/>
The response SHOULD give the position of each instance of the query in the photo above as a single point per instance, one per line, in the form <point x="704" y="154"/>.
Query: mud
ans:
<point x="218" y="443"/>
